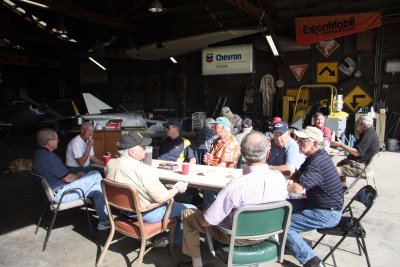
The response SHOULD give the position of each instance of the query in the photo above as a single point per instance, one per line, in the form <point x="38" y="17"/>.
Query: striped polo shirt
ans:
<point x="321" y="180"/>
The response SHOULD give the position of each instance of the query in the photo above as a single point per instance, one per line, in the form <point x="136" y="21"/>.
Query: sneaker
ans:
<point x="160" y="241"/>
<point x="103" y="225"/>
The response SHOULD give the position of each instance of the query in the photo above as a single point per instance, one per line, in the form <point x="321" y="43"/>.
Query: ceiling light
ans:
<point x="156" y="7"/>
<point x="34" y="3"/>
<point x="173" y="60"/>
<point x="97" y="63"/>
<point x="272" y="45"/>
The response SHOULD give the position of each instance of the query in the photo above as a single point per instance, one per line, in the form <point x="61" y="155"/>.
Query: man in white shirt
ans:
<point x="80" y="150"/>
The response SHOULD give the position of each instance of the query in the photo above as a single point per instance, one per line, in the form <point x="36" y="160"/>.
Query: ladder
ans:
<point x="220" y="104"/>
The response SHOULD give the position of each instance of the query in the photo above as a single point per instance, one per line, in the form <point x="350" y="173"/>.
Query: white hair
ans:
<point x="366" y="120"/>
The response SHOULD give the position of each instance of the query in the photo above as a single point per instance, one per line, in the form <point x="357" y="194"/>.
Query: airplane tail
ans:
<point x="93" y="104"/>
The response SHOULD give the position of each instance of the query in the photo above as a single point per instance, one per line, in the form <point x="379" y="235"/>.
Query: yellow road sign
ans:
<point x="327" y="72"/>
<point x="357" y="98"/>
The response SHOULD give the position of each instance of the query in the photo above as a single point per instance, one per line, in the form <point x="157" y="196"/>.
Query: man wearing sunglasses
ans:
<point x="321" y="206"/>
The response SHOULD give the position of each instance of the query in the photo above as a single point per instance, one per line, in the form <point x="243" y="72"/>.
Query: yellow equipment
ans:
<point x="302" y="106"/>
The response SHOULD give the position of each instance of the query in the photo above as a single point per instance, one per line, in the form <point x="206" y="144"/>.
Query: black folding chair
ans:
<point x="350" y="224"/>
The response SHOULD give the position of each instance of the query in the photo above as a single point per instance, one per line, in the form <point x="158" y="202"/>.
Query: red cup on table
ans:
<point x="185" y="168"/>
<point x="106" y="158"/>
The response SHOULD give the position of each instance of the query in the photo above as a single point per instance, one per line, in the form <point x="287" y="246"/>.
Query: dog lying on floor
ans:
<point x="17" y="165"/>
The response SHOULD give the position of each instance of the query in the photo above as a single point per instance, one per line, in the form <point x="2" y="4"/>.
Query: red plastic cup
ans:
<point x="106" y="158"/>
<point x="185" y="168"/>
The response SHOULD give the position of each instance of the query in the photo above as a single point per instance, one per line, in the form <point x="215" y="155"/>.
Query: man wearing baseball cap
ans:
<point x="284" y="155"/>
<point x="175" y="147"/>
<point x="322" y="208"/>
<point x="130" y="169"/>
<point x="225" y="149"/>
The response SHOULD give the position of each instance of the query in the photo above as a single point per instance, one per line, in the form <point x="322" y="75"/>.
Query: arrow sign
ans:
<point x="331" y="72"/>
<point x="354" y="104"/>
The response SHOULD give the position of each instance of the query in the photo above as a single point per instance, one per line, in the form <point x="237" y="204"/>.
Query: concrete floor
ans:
<point x="70" y="243"/>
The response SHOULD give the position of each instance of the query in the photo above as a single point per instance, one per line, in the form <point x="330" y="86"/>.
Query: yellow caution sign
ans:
<point x="357" y="98"/>
<point x="327" y="72"/>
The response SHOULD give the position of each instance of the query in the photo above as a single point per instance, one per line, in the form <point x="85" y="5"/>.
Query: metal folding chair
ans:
<point x="54" y="207"/>
<point x="350" y="224"/>
<point x="367" y="172"/>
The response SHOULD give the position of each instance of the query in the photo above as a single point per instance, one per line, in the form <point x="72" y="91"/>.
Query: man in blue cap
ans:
<point x="175" y="147"/>
<point x="284" y="155"/>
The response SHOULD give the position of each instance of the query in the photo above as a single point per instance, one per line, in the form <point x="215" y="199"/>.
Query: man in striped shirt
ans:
<point x="322" y="208"/>
<point x="259" y="184"/>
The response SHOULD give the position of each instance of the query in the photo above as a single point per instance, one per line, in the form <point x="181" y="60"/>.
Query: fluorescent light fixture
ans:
<point x="10" y="3"/>
<point x="97" y="63"/>
<point x="21" y="10"/>
<point x="156" y="7"/>
<point x="173" y="60"/>
<point x="272" y="45"/>
<point x="34" y="3"/>
<point x="73" y="40"/>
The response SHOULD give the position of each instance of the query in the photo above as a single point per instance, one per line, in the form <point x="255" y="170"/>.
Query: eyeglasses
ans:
<point x="303" y="140"/>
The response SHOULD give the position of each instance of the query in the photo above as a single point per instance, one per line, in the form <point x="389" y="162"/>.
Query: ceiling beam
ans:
<point x="84" y="14"/>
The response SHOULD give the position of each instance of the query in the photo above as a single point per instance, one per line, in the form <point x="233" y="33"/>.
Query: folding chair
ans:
<point x="54" y="207"/>
<point x="261" y="221"/>
<point x="366" y="173"/>
<point x="350" y="224"/>
<point x="124" y="197"/>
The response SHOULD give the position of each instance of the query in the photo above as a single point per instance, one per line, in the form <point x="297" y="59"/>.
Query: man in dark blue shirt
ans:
<point x="364" y="149"/>
<point x="319" y="180"/>
<point x="50" y="167"/>
<point x="175" y="147"/>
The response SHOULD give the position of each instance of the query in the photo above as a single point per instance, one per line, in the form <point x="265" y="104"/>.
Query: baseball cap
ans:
<point x="247" y="123"/>
<point x="276" y="119"/>
<point x="281" y="127"/>
<point x="223" y="121"/>
<point x="310" y="132"/>
<point x="174" y="122"/>
<point x="133" y="139"/>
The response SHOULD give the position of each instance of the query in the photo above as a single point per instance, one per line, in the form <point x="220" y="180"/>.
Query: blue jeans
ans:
<point x="208" y="198"/>
<point x="81" y="169"/>
<point x="90" y="184"/>
<point x="307" y="219"/>
<point x="157" y="214"/>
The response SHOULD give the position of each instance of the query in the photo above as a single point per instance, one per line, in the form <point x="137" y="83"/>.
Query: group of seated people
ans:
<point x="274" y="170"/>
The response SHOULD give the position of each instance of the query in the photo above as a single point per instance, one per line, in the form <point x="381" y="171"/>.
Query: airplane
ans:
<point x="99" y="113"/>
<point x="23" y="114"/>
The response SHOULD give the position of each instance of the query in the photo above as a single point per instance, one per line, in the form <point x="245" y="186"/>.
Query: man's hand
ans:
<point x="337" y="143"/>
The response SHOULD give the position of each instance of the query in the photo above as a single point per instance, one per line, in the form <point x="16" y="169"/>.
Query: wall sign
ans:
<point x="298" y="70"/>
<point x="322" y="28"/>
<point x="327" y="47"/>
<point x="357" y="98"/>
<point x="327" y="72"/>
<point x="227" y="60"/>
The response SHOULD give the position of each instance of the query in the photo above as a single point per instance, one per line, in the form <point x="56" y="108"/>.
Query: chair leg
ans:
<point x="40" y="218"/>
<point x="88" y="217"/>
<point x="352" y="184"/>
<point x="105" y="248"/>
<point x="364" y="246"/>
<point x="334" y="248"/>
<point x="319" y="240"/>
<point x="141" y="252"/>
<point x="49" y="230"/>
<point x="172" y="239"/>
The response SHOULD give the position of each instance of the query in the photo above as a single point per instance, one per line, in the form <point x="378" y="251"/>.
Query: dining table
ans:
<point x="200" y="176"/>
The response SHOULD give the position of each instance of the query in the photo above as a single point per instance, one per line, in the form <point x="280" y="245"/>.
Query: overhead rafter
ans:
<point x="84" y="14"/>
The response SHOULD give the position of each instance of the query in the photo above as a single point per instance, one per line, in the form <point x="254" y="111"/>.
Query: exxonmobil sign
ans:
<point x="316" y="29"/>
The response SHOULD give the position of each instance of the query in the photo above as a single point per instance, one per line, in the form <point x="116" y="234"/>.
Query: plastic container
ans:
<point x="392" y="145"/>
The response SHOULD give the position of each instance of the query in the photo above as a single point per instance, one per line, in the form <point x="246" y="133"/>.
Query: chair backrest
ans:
<point x="366" y="196"/>
<point x="261" y="221"/>
<point x="120" y="196"/>
<point x="40" y="182"/>
<point x="369" y="169"/>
